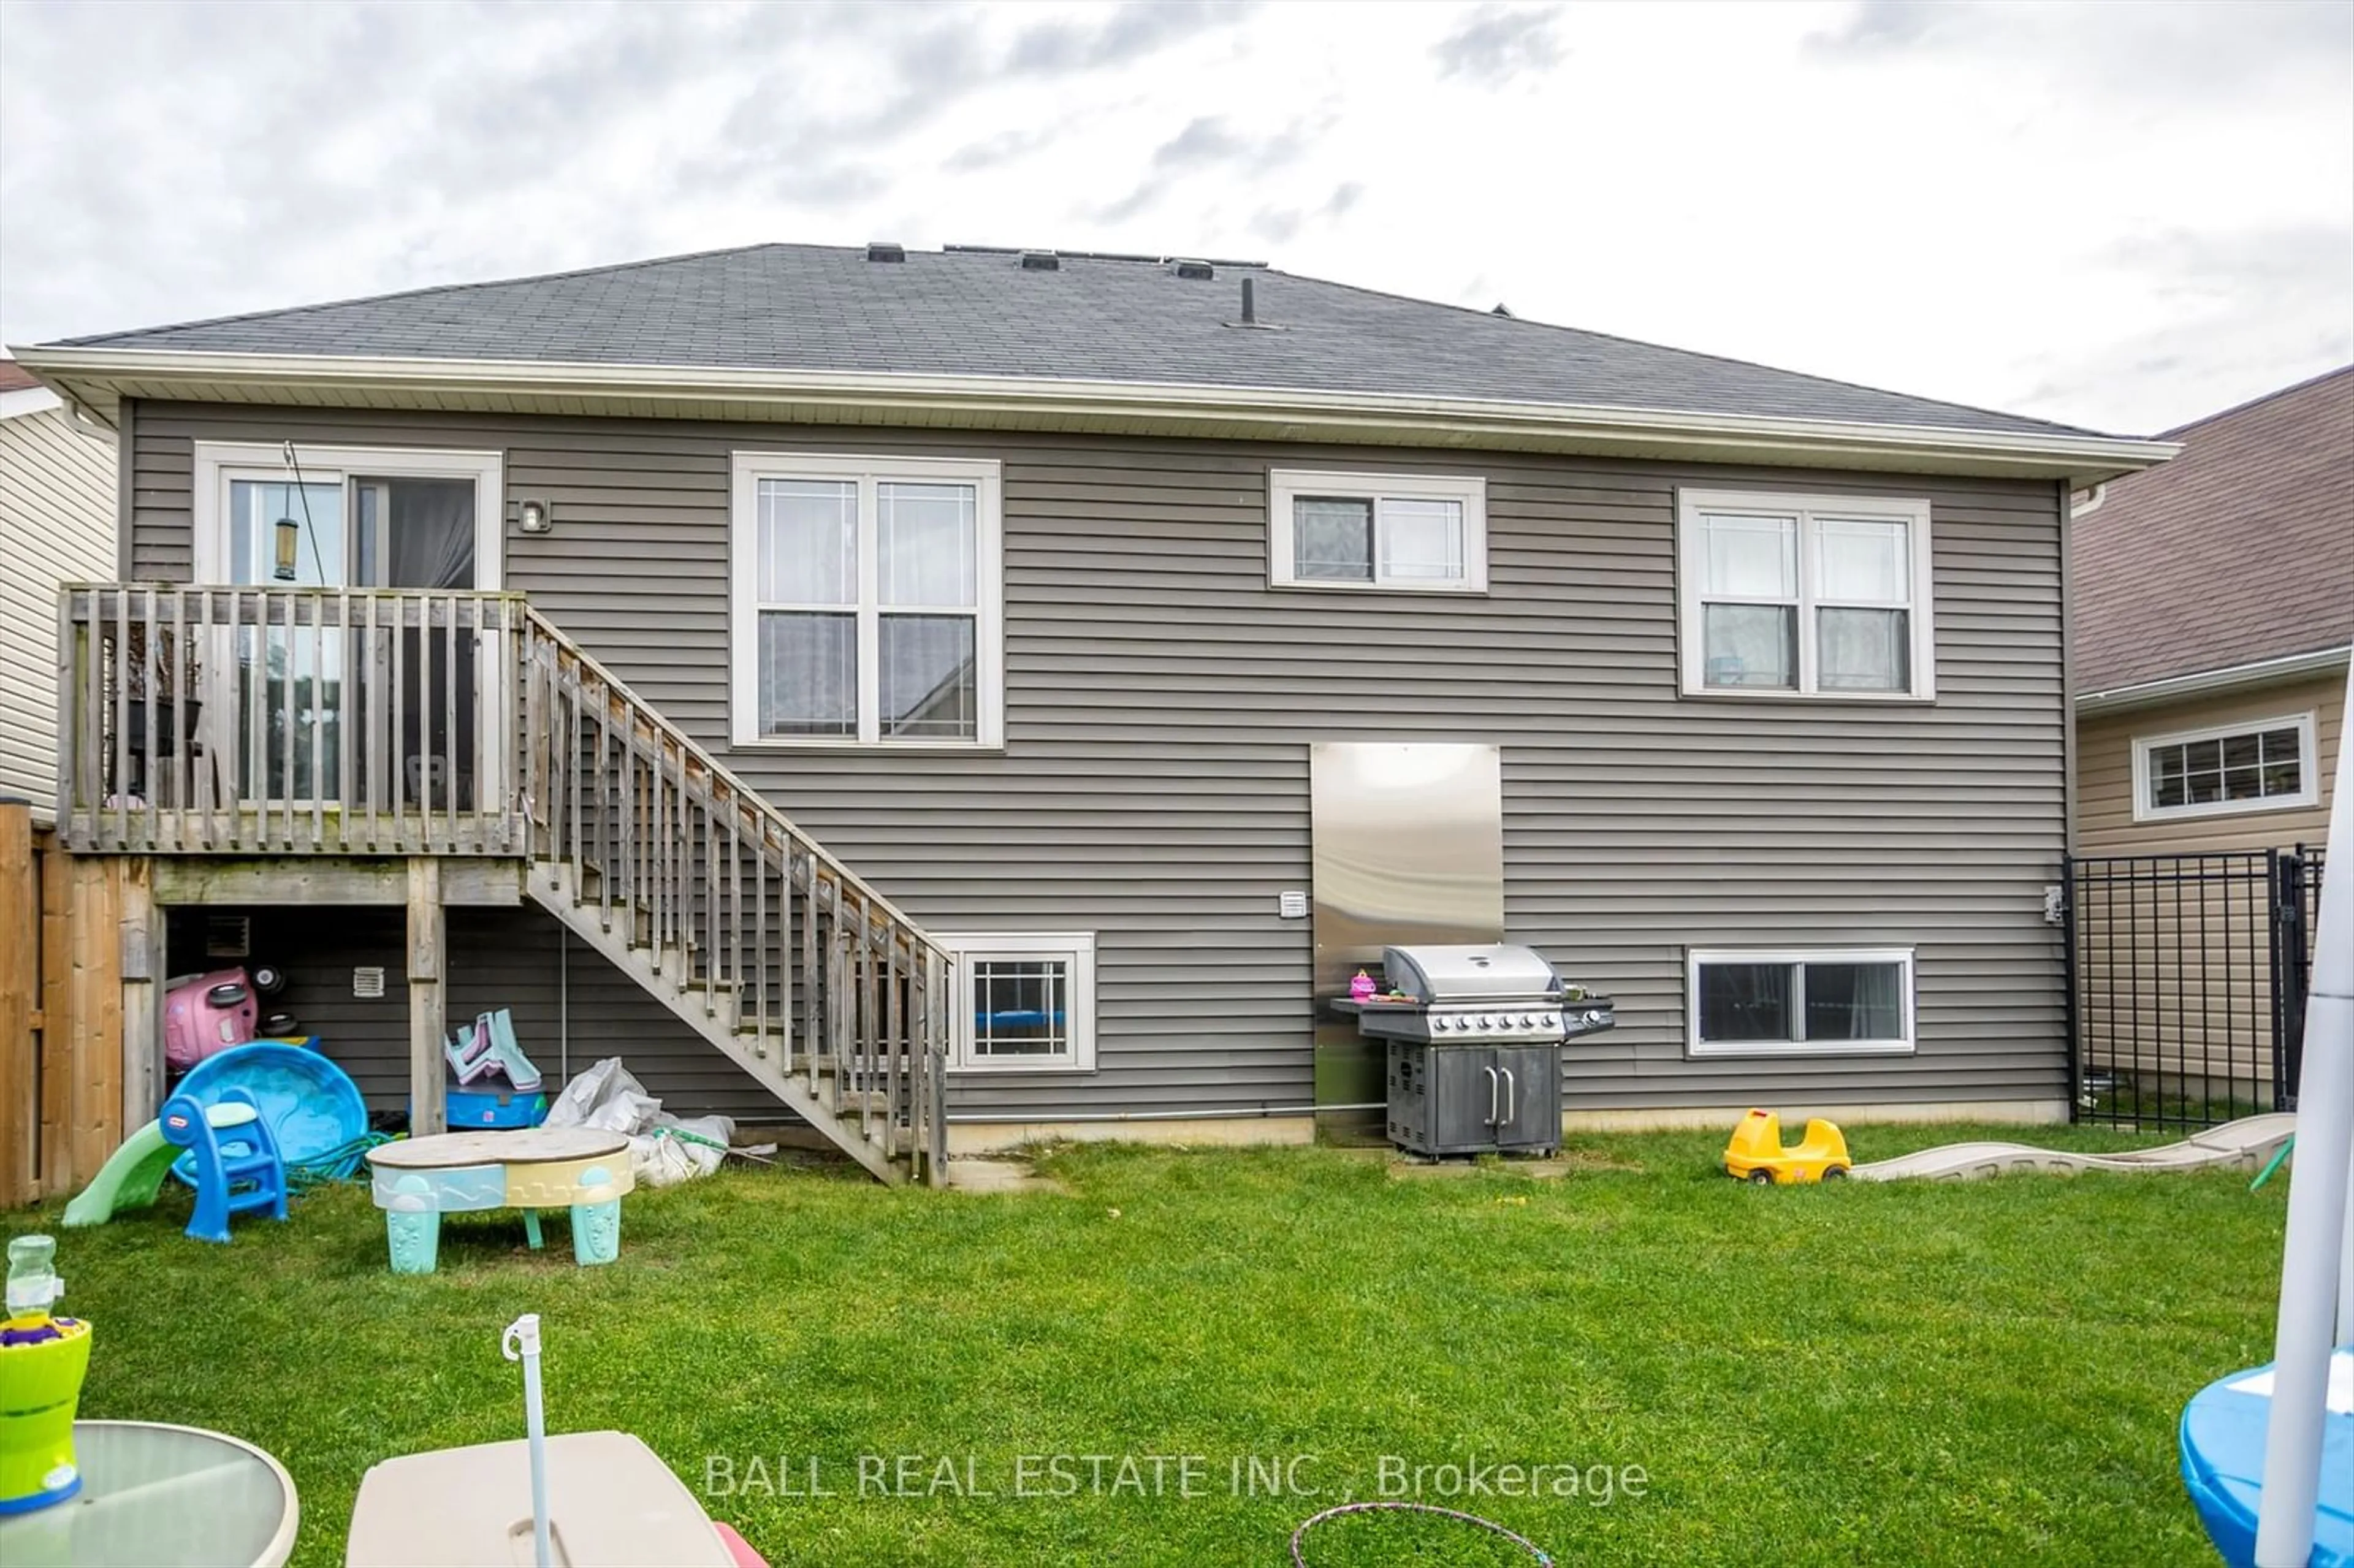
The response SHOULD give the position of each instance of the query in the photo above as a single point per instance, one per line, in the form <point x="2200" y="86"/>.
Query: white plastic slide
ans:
<point x="2248" y="1142"/>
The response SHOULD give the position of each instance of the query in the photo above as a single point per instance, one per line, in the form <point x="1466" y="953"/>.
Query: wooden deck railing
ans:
<point x="408" y="722"/>
<point x="271" y="720"/>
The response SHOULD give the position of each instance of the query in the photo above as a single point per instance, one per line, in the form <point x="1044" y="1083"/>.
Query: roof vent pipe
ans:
<point x="1250" y="305"/>
<point x="885" y="250"/>
<point x="1041" y="261"/>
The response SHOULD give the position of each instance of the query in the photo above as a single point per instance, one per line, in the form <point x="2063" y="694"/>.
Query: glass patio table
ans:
<point x="154" y="1496"/>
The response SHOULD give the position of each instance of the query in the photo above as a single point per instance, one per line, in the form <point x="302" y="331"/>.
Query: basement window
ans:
<point x="1028" y="1001"/>
<point x="2257" y="765"/>
<point x="1799" y="1002"/>
<point x="867" y="602"/>
<point x="1381" y="531"/>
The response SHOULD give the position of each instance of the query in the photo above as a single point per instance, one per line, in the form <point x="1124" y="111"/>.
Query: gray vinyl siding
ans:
<point x="570" y="1007"/>
<point x="1160" y="700"/>
<point x="57" y="525"/>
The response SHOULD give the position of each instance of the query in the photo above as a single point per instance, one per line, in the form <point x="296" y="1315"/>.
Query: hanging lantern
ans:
<point x="289" y="540"/>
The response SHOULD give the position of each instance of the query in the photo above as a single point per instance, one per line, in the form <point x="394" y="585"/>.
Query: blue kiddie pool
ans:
<point x="2224" y="1463"/>
<point x="312" y="1105"/>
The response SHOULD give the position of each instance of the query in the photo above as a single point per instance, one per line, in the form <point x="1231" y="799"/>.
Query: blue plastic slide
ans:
<point x="134" y="1174"/>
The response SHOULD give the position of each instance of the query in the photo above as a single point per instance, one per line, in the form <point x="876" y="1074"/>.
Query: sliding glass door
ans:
<point x="353" y="697"/>
<point x="288" y="680"/>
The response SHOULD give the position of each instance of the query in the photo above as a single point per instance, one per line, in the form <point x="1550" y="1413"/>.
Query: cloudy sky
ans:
<point x="2114" y="214"/>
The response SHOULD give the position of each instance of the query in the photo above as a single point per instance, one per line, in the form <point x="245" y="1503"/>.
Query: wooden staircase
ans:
<point x="686" y="879"/>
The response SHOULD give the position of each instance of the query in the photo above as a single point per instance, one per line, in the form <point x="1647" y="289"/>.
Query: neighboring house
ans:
<point x="2213" y="609"/>
<point x="885" y="610"/>
<point x="57" y="525"/>
<point x="2214" y="606"/>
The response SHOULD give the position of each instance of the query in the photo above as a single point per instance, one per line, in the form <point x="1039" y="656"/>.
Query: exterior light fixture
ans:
<point x="534" y="518"/>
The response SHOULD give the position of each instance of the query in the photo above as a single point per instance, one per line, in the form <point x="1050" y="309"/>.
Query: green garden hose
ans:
<point x="2273" y="1164"/>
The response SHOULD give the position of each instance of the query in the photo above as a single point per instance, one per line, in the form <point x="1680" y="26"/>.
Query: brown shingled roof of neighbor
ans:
<point x="15" y="377"/>
<point x="2238" y="551"/>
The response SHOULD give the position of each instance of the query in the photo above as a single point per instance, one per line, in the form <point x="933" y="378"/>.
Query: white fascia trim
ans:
<point x="1308" y="410"/>
<point x="29" y="400"/>
<point x="2264" y="671"/>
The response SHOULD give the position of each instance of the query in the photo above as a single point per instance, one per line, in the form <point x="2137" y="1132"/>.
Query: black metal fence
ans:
<point x="2187" y="977"/>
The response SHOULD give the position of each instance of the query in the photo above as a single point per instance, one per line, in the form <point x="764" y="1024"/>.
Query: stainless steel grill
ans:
<point x="1498" y="994"/>
<point x="1472" y="1038"/>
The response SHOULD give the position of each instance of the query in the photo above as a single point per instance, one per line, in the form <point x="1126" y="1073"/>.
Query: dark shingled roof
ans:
<point x="2240" y="550"/>
<point x="980" y="314"/>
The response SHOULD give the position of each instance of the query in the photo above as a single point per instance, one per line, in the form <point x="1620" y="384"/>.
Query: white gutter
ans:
<point x="2205" y="682"/>
<point x="1300" y="414"/>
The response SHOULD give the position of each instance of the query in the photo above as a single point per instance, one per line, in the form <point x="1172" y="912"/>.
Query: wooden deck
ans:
<point x="428" y="747"/>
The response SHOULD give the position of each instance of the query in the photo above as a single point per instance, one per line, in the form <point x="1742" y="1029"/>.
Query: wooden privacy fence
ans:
<point x="61" y="1089"/>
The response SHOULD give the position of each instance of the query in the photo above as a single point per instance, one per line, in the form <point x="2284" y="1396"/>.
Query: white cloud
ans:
<point x="2116" y="215"/>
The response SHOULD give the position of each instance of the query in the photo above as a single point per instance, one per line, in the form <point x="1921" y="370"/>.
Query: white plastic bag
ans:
<point x="607" y="1097"/>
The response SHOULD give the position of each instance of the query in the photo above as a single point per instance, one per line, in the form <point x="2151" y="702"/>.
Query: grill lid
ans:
<point x="1497" y="972"/>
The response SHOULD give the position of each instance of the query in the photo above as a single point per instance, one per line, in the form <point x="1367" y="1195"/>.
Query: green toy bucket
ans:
<point x="40" y="1385"/>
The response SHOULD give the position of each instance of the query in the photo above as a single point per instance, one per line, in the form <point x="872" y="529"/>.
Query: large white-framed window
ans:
<point x="1416" y="534"/>
<point x="2253" y="764"/>
<point x="1810" y="596"/>
<point x="1799" y="1001"/>
<point x="868" y="602"/>
<point x="1026" y="1002"/>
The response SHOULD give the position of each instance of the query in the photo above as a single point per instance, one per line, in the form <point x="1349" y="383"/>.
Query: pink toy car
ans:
<point x="208" y="1013"/>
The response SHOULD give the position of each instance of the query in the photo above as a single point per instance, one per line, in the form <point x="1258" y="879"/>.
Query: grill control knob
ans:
<point x="1486" y="1022"/>
<point x="1441" y="1024"/>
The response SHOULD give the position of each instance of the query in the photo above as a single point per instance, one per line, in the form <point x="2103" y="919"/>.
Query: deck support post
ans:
<point x="428" y="1003"/>
<point x="141" y="922"/>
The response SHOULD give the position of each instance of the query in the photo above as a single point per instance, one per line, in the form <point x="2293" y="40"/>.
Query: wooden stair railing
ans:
<point x="740" y="922"/>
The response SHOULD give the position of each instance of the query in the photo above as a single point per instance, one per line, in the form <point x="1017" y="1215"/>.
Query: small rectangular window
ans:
<point x="1376" y="531"/>
<point x="1800" y="1002"/>
<point x="2263" y="765"/>
<point x="1029" y="1002"/>
<point x="1806" y="596"/>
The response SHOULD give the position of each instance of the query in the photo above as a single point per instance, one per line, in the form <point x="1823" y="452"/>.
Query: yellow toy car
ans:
<point x="1757" y="1155"/>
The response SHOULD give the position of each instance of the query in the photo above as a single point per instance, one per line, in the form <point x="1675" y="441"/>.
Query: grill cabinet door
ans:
<point x="1468" y="1095"/>
<point x="1529" y="1111"/>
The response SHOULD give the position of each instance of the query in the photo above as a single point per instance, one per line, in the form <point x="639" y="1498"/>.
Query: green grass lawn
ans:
<point x="1971" y="1374"/>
